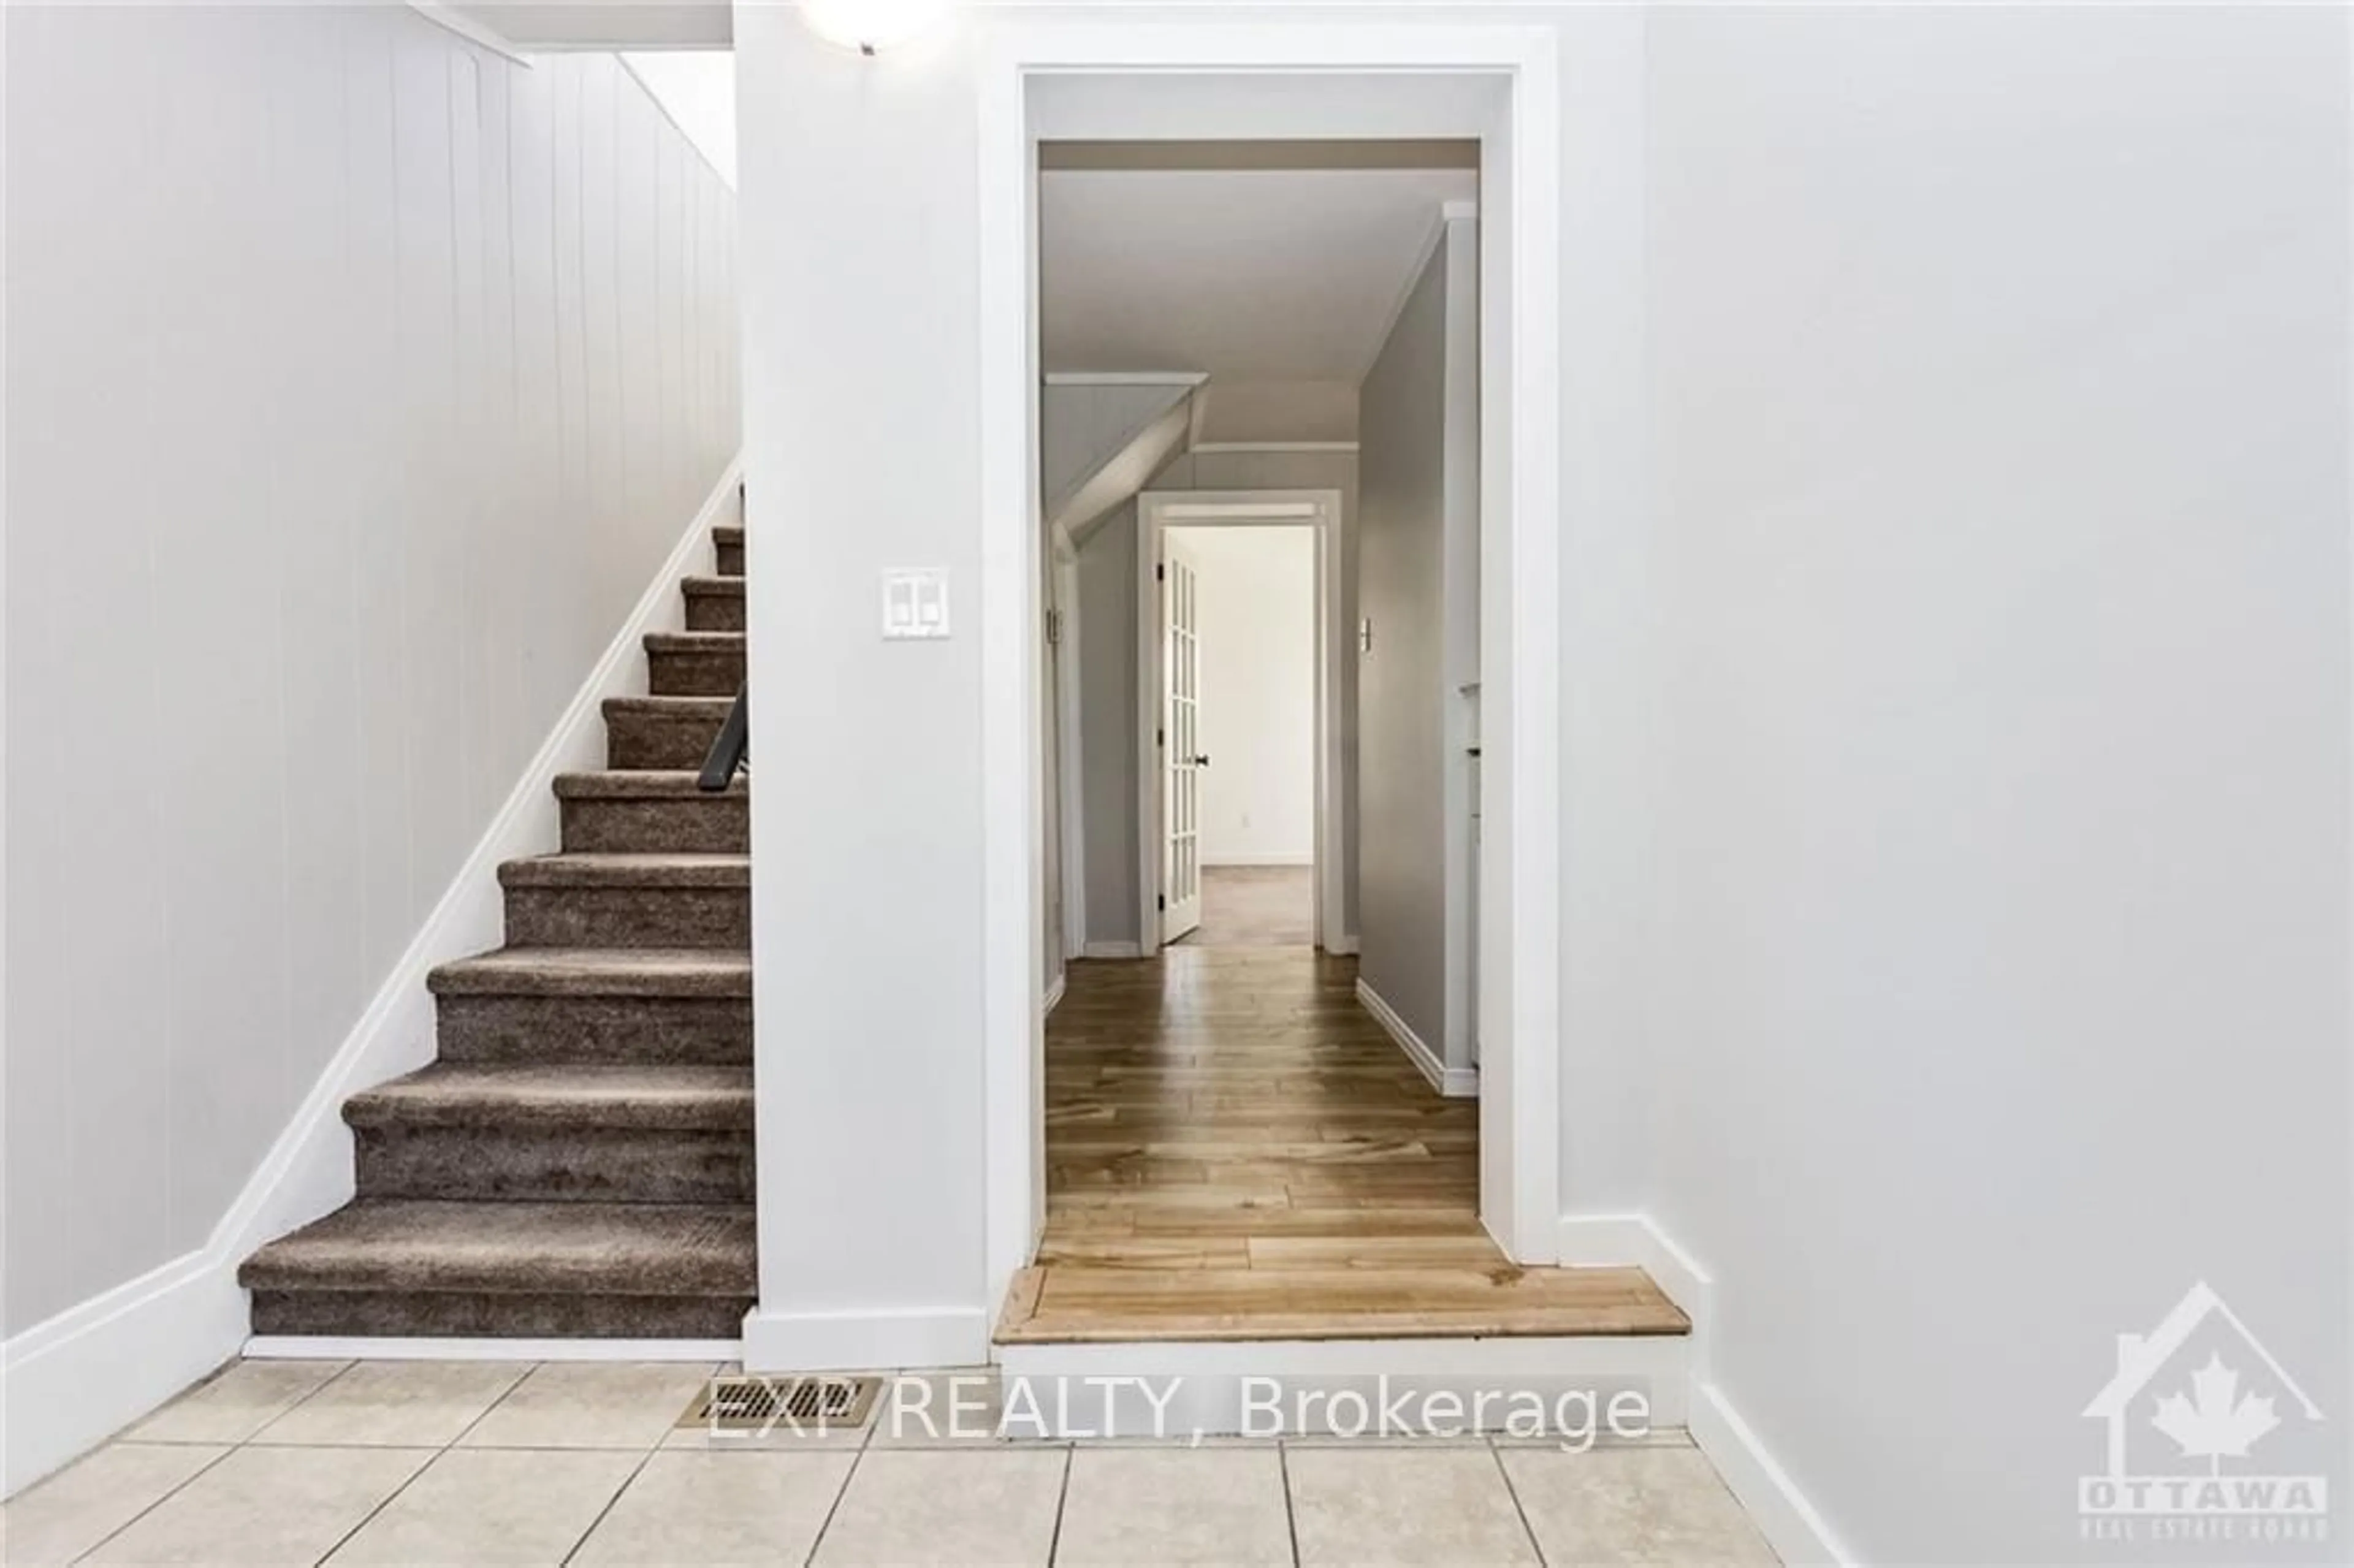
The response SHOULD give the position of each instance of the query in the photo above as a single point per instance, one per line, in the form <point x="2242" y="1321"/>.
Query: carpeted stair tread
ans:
<point x="608" y="870"/>
<point x="668" y="732"/>
<point x="607" y="1249"/>
<point x="560" y="1095"/>
<point x="705" y="661"/>
<point x="728" y="534"/>
<point x="643" y="784"/>
<point x="715" y="709"/>
<point x="596" y="972"/>
<point x="694" y="641"/>
<point x="713" y="604"/>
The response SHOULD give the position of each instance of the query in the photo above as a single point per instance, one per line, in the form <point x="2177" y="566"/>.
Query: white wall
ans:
<point x="1953" y="702"/>
<point x="696" y="88"/>
<point x="1256" y="599"/>
<point x="860" y="353"/>
<point x="1999" y="988"/>
<point x="862" y="360"/>
<point x="357" y="381"/>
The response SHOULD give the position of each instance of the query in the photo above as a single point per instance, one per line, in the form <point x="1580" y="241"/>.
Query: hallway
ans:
<point x="1236" y="1149"/>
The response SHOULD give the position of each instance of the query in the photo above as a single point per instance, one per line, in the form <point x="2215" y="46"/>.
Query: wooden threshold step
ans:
<point x="1087" y="1304"/>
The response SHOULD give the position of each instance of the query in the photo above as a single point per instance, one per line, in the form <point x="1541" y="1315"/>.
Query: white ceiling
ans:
<point x="606" y="24"/>
<point x="1245" y="274"/>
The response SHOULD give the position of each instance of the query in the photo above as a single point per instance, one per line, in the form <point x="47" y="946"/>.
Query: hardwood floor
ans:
<point x="1256" y="907"/>
<point x="1236" y="1149"/>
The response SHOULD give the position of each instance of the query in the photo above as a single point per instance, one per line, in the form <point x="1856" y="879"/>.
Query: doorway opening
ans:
<point x="1234" y="1097"/>
<point x="1239" y="757"/>
<point x="1046" y="83"/>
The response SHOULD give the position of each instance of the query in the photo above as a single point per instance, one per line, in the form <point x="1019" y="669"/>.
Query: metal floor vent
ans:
<point x="749" y="1402"/>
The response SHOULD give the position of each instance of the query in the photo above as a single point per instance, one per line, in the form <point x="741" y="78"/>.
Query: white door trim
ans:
<point x="1072" y="784"/>
<point x="1317" y="509"/>
<point x="1374" y="69"/>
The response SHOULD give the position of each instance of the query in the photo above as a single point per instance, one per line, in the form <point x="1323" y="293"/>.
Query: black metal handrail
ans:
<point x="731" y="753"/>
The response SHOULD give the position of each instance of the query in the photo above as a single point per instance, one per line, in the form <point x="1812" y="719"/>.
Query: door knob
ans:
<point x="1202" y="760"/>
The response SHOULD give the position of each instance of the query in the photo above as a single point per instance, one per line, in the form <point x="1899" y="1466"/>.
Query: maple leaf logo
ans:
<point x="2217" y="1420"/>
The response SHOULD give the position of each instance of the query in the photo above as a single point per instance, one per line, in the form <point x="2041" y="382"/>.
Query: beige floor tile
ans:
<point x="1632" y="1505"/>
<point x="1141" y="1506"/>
<point x="235" y="1403"/>
<point x="266" y="1506"/>
<point x="784" y="1440"/>
<point x="592" y="1405"/>
<point x="1658" y="1437"/>
<point x="1382" y="1440"/>
<point x="973" y="1506"/>
<point x="396" y="1404"/>
<point x="1401" y="1505"/>
<point x="492" y="1506"/>
<point x="949" y="1407"/>
<point x="88" y="1501"/>
<point x="720" y="1508"/>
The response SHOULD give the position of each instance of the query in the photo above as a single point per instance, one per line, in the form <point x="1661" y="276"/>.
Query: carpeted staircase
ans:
<point x="579" y="1160"/>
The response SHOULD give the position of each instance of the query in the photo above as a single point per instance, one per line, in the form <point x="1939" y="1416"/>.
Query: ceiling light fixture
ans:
<point x="871" y="26"/>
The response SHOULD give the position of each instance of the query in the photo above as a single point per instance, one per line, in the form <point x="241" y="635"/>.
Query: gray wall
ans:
<point x="1108" y="709"/>
<point x="358" y="380"/>
<point x="1418" y="554"/>
<point x="1401" y="733"/>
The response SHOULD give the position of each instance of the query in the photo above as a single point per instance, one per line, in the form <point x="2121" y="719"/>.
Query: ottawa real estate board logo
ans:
<point x="2209" y="1438"/>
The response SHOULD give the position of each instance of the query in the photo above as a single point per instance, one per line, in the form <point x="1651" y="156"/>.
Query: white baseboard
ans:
<point x="1792" y="1525"/>
<point x="1455" y="1083"/>
<point x="329" y="1348"/>
<point x="1341" y="947"/>
<point x="68" y="1382"/>
<point x="1111" y="951"/>
<point x="1053" y="994"/>
<point x="1632" y="1240"/>
<point x="1247" y="861"/>
<point x="864" y="1341"/>
<point x="73" y="1380"/>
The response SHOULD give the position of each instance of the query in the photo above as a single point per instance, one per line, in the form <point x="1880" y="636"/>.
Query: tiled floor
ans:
<point x="433" y="1463"/>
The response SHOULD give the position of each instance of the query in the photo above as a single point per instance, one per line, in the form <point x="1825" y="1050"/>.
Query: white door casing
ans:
<point x="1062" y="79"/>
<point x="1180" y="739"/>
